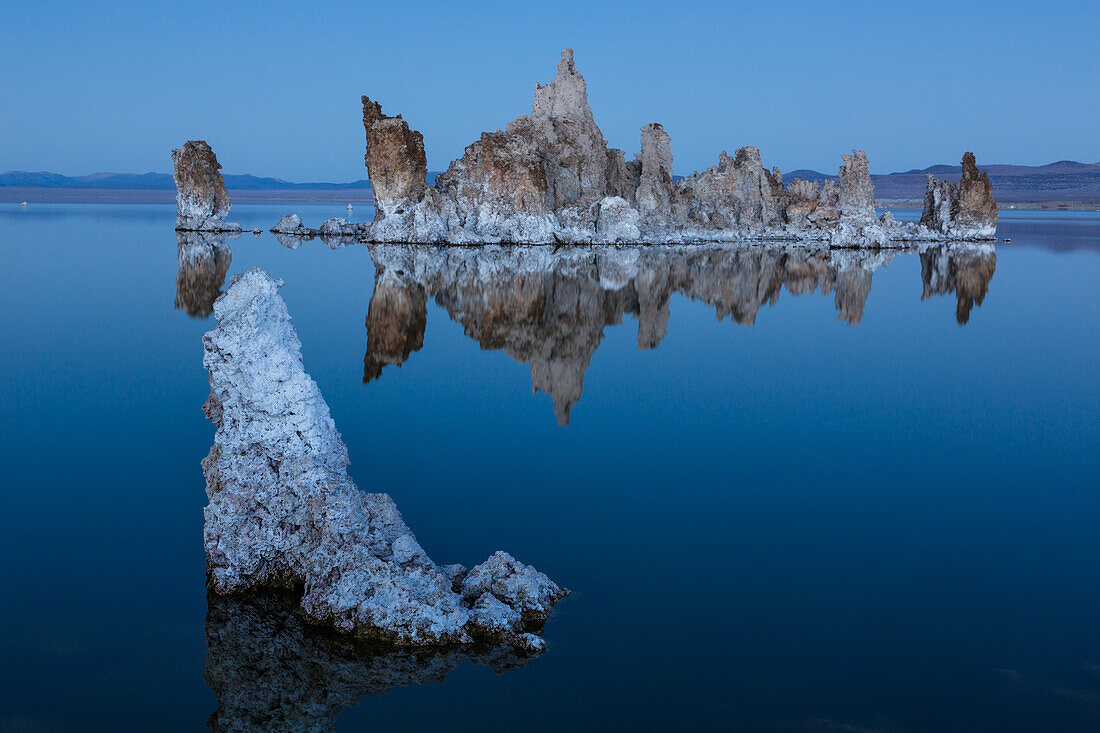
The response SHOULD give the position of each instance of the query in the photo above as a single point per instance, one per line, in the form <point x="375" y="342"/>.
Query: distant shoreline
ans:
<point x="46" y="195"/>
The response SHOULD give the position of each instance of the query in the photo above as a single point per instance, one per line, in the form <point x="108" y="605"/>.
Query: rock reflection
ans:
<point x="203" y="261"/>
<point x="396" y="318"/>
<point x="964" y="271"/>
<point x="272" y="672"/>
<point x="548" y="307"/>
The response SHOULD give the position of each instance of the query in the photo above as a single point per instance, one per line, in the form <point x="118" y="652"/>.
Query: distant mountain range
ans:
<point x="155" y="181"/>
<point x="1066" y="181"/>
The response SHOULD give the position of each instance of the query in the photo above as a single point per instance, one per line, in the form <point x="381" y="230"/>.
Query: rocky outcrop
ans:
<point x="395" y="160"/>
<point x="656" y="192"/>
<point x="202" y="202"/>
<point x="963" y="210"/>
<point x="203" y="261"/>
<point x="270" y="671"/>
<point x="292" y="224"/>
<point x="283" y="512"/>
<point x="550" y="177"/>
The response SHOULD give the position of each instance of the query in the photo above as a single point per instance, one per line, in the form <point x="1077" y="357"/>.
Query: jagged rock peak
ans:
<point x="965" y="210"/>
<point x="202" y="202"/>
<point x="566" y="97"/>
<point x="396" y="163"/>
<point x="857" y="192"/>
<point x="977" y="208"/>
<point x="283" y="512"/>
<point x="656" y="191"/>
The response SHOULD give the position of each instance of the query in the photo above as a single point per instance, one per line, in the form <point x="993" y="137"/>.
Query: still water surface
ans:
<point x="856" y="513"/>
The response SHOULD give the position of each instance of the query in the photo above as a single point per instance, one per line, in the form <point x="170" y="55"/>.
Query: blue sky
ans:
<point x="274" y="86"/>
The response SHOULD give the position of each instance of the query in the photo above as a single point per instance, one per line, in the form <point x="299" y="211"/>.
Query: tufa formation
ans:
<point x="201" y="199"/>
<point x="283" y="512"/>
<point x="549" y="177"/>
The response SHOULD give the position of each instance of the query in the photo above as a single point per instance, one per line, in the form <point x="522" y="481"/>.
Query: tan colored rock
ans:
<point x="395" y="160"/>
<point x="202" y="202"/>
<point x="965" y="210"/>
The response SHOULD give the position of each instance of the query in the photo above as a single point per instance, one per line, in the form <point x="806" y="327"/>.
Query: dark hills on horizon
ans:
<point x="1062" y="181"/>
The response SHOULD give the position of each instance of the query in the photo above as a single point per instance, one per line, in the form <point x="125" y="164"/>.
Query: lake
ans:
<point x="871" y="509"/>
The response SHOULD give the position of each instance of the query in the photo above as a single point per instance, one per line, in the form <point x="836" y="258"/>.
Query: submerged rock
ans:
<point x="965" y="210"/>
<point x="283" y="512"/>
<point x="202" y="202"/>
<point x="271" y="671"/>
<point x="550" y="177"/>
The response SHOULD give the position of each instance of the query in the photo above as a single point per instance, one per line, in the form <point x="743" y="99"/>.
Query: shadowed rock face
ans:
<point x="271" y="671"/>
<point x="963" y="210"/>
<point x="201" y="199"/>
<point x="549" y="308"/>
<point x="283" y="512"/>
<point x="550" y="177"/>
<point x="965" y="272"/>
<point x="203" y="261"/>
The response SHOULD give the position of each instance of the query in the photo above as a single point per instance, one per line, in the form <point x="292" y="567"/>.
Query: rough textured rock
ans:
<point x="292" y="224"/>
<point x="283" y="512"/>
<point x="656" y="192"/>
<point x="203" y="261"/>
<point x="618" y="221"/>
<point x="201" y="199"/>
<point x="271" y="671"/>
<point x="549" y="307"/>
<point x="963" y="210"/>
<point x="550" y="177"/>
<point x="395" y="160"/>
<point x="736" y="195"/>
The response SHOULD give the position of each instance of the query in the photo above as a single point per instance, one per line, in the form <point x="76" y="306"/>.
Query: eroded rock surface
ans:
<point x="550" y="177"/>
<point x="202" y="202"/>
<point x="271" y="671"/>
<point x="283" y="512"/>
<point x="963" y="210"/>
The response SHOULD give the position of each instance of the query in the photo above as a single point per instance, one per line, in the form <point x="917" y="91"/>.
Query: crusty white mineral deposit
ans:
<point x="284" y="513"/>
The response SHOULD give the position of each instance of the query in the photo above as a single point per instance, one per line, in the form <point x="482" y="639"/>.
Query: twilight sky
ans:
<point x="274" y="86"/>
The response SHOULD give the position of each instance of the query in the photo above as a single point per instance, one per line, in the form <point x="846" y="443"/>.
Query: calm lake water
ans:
<point x="882" y="521"/>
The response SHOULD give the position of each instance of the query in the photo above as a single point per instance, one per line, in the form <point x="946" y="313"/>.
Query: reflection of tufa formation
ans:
<point x="550" y="177"/>
<point x="284" y="513"/>
<point x="203" y="261"/>
<point x="270" y="671"/>
<point x="549" y="308"/>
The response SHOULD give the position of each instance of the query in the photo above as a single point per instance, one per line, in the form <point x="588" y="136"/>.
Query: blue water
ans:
<point x="798" y="525"/>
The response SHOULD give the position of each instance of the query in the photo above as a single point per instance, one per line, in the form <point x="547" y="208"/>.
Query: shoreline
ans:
<point x="42" y="195"/>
